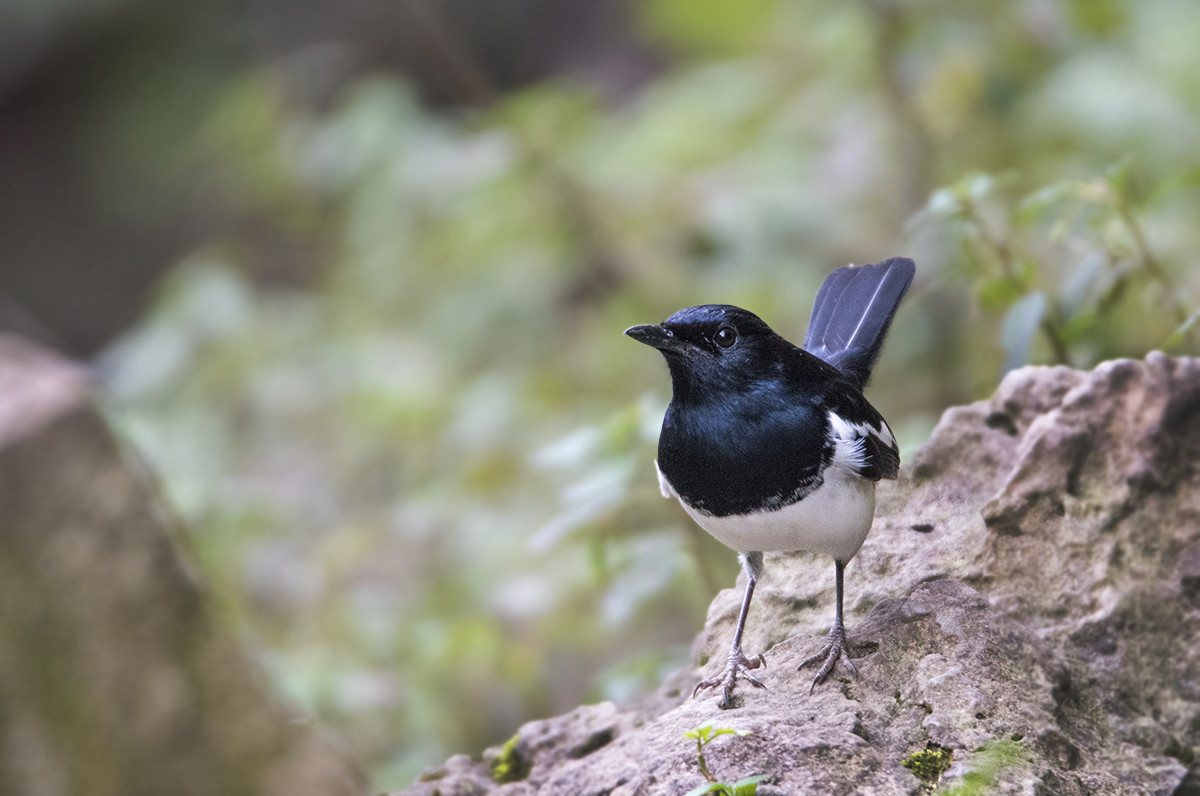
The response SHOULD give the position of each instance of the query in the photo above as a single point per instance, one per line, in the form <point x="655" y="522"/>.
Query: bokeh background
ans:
<point x="354" y="277"/>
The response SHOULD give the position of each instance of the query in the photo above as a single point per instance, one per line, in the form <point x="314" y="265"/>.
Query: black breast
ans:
<point x="760" y="453"/>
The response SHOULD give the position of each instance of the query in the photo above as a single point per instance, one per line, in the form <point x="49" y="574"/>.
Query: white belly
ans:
<point x="833" y="521"/>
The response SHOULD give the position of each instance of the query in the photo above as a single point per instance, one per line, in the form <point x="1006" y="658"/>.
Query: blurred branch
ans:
<point x="915" y="149"/>
<point x="470" y="81"/>
<point x="1145" y="254"/>
<point x="1050" y="328"/>
<point x="600" y="274"/>
<point x="985" y="240"/>
<point x="16" y="317"/>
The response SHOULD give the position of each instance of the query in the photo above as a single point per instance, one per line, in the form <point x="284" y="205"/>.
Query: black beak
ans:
<point x="654" y="336"/>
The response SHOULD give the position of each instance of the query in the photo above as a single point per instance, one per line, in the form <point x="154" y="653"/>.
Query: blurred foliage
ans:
<point x="394" y="404"/>
<point x="1070" y="265"/>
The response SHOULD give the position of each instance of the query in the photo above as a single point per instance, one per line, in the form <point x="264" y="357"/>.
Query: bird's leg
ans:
<point x="738" y="662"/>
<point x="835" y="649"/>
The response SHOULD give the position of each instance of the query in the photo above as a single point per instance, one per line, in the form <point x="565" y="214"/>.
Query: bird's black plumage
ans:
<point x="852" y="313"/>
<point x="770" y="446"/>
<point x="748" y="426"/>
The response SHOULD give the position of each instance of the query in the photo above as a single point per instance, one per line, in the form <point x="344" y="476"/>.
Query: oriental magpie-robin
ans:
<point x="770" y="447"/>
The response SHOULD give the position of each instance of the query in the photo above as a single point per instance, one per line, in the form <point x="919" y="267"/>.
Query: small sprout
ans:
<point x="704" y="735"/>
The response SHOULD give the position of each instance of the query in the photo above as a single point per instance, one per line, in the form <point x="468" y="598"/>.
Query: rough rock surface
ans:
<point x="1028" y="601"/>
<point x="115" y="679"/>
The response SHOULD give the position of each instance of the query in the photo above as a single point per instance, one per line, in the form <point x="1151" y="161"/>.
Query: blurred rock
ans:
<point x="115" y="677"/>
<point x="1025" y="614"/>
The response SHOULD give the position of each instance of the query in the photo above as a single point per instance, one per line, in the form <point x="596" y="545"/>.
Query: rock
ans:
<point x="1024" y="618"/>
<point x="115" y="678"/>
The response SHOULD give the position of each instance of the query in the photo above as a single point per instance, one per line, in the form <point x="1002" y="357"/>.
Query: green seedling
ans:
<point x="703" y="736"/>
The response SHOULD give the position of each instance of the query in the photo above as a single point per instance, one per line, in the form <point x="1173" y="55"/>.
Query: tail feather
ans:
<point x="852" y="313"/>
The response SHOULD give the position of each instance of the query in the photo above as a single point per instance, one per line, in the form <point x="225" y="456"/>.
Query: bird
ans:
<point x="771" y="447"/>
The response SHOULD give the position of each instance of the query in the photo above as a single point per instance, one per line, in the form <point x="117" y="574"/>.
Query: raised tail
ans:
<point x="852" y="313"/>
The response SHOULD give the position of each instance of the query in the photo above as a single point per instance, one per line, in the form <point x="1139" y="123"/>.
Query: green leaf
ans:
<point x="707" y="732"/>
<point x="943" y="203"/>
<point x="1180" y="334"/>
<point x="1085" y="282"/>
<point x="1020" y="327"/>
<point x="743" y="787"/>
<point x="1079" y="327"/>
<point x="1101" y="18"/>
<point x="748" y="786"/>
<point x="1049" y="200"/>
<point x="708" y="26"/>
<point x="1185" y="179"/>
<point x="1119" y="174"/>
<point x="979" y="187"/>
<point x="1000" y="292"/>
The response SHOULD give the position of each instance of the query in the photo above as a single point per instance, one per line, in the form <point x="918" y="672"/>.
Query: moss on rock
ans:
<point x="928" y="764"/>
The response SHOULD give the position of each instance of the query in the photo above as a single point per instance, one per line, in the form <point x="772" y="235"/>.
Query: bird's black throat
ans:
<point x="759" y="452"/>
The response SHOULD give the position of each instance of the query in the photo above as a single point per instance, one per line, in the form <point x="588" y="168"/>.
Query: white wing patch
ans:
<point x="848" y="447"/>
<point x="883" y="434"/>
<point x="664" y="485"/>
<point x="849" y="440"/>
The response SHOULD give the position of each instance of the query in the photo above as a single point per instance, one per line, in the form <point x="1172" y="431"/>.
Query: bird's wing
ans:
<point x="852" y="313"/>
<point x="862" y="439"/>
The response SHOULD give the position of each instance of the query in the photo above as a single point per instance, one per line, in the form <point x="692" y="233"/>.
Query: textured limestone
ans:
<point x="1029" y="599"/>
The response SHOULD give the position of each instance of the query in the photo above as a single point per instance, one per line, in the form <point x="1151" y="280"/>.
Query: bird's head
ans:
<point x="714" y="348"/>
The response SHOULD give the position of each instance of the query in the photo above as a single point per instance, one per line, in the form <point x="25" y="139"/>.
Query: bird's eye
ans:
<point x="725" y="337"/>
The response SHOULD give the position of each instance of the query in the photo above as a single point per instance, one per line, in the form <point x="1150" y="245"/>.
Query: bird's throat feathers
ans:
<point x="753" y="378"/>
<point x="733" y="456"/>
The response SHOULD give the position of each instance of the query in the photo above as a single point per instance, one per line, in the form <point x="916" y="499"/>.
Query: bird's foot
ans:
<point x="738" y="663"/>
<point x="835" y="650"/>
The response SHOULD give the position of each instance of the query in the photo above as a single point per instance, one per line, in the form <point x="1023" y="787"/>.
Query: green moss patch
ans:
<point x="511" y="765"/>
<point x="929" y="763"/>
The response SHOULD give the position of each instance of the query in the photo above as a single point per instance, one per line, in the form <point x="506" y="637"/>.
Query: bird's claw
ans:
<point x="834" y="651"/>
<point x="738" y="663"/>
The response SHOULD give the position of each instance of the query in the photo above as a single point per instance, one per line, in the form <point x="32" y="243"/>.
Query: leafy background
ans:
<point x="389" y="394"/>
